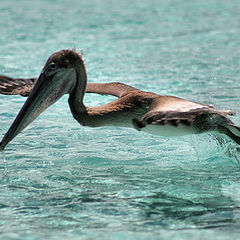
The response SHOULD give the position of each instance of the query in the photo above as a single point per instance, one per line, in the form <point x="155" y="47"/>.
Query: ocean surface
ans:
<point x="66" y="181"/>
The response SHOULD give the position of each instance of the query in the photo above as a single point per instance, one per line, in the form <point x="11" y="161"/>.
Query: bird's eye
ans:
<point x="52" y="66"/>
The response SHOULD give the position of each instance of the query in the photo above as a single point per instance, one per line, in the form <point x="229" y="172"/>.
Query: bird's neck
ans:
<point x="77" y="94"/>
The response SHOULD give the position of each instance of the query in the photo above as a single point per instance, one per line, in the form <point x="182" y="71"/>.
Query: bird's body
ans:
<point x="65" y="72"/>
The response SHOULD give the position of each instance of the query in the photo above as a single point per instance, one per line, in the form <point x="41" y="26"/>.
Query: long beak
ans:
<point x="46" y="92"/>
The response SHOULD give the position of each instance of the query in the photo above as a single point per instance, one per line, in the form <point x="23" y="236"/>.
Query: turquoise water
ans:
<point x="67" y="181"/>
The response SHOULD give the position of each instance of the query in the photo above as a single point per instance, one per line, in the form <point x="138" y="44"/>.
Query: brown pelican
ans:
<point x="64" y="73"/>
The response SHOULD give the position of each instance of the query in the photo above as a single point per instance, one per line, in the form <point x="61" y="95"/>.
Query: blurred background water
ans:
<point x="68" y="181"/>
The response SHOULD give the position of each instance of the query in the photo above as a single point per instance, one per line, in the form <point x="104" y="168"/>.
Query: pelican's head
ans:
<point x="59" y="76"/>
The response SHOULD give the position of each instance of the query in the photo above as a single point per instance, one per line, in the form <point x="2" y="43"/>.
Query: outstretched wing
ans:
<point x="116" y="89"/>
<point x="23" y="86"/>
<point x="16" y="86"/>
<point x="175" y="111"/>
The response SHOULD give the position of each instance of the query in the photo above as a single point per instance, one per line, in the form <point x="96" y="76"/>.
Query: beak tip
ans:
<point x="1" y="147"/>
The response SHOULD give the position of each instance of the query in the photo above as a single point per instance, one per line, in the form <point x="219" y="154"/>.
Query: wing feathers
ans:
<point x="15" y="86"/>
<point x="174" y="111"/>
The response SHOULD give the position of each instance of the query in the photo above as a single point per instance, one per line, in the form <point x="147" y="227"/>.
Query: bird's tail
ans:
<point x="231" y="131"/>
